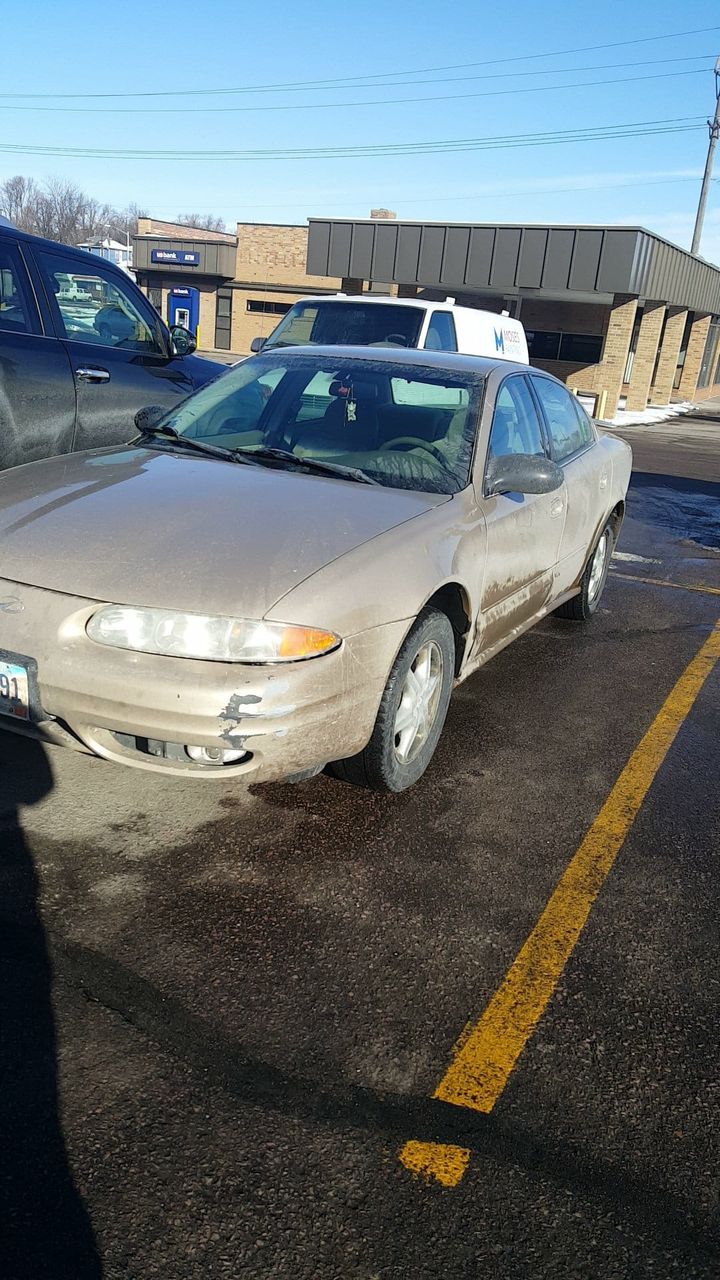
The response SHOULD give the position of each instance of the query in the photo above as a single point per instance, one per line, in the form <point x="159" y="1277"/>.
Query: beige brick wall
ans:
<point x="609" y="373"/>
<point x="693" y="358"/>
<point x="661" y="390"/>
<point x="276" y="255"/>
<point x="651" y="323"/>
<point x="247" y="325"/>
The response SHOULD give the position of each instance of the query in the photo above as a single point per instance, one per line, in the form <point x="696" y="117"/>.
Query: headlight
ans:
<point x="195" y="635"/>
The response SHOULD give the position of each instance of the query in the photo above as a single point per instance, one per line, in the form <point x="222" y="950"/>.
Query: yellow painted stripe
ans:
<point x="660" y="582"/>
<point x="487" y="1053"/>
<point x="446" y="1164"/>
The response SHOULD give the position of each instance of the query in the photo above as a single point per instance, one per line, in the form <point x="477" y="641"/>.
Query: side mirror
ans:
<point x="523" y="473"/>
<point x="183" y="341"/>
<point x="256" y="345"/>
<point x="147" y="418"/>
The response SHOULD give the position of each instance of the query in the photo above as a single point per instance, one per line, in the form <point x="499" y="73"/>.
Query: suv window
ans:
<point x="441" y="332"/>
<point x="94" y="307"/>
<point x="516" y="424"/>
<point x="17" y="311"/>
<point x="569" y="428"/>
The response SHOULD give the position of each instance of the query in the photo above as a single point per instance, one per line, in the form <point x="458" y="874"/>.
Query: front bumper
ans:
<point x="285" y="718"/>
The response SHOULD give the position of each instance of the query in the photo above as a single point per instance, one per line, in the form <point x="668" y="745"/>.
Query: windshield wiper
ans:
<point x="311" y="464"/>
<point x="187" y="442"/>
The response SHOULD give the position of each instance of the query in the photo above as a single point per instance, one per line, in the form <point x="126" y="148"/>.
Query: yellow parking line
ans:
<point x="660" y="582"/>
<point x="485" y="1055"/>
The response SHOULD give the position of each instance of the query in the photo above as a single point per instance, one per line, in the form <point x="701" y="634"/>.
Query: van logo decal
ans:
<point x="499" y="340"/>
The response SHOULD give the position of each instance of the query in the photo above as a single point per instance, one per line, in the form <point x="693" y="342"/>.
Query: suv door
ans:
<point x="587" y="474"/>
<point x="523" y="530"/>
<point x="37" y="391"/>
<point x="118" y="347"/>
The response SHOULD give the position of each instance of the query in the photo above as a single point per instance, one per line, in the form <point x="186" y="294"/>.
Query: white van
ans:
<point x="365" y="320"/>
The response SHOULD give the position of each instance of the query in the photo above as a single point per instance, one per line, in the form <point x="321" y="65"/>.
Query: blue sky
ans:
<point x="64" y="47"/>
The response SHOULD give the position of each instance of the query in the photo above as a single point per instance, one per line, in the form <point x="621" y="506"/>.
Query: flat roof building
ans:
<point x="621" y="315"/>
<point x="618" y="313"/>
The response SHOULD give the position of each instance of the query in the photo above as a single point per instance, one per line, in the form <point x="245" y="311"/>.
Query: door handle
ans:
<point x="92" y="375"/>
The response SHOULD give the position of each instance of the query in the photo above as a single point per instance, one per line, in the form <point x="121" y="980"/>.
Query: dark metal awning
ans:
<point x="583" y="263"/>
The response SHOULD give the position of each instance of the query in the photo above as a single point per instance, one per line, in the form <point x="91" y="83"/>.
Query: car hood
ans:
<point x="180" y="531"/>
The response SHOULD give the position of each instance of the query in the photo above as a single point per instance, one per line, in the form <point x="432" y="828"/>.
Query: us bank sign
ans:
<point x="180" y="257"/>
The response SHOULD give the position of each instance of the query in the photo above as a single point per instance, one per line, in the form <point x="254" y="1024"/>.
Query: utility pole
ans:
<point x="714" y="127"/>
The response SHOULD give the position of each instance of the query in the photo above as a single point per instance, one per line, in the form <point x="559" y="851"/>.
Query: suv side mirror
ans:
<point x="147" y="418"/>
<point x="183" y="341"/>
<point x="523" y="473"/>
<point x="256" y="345"/>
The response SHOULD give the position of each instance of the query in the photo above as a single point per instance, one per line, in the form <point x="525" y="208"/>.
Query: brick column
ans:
<point x="693" y="357"/>
<point x="661" y="389"/>
<point x="647" y="345"/>
<point x="407" y="291"/>
<point x="609" y="372"/>
<point x="350" y="284"/>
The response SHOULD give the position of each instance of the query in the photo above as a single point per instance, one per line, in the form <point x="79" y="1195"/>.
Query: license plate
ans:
<point x="14" y="691"/>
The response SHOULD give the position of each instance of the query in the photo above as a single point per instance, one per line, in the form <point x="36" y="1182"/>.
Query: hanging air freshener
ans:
<point x="351" y="411"/>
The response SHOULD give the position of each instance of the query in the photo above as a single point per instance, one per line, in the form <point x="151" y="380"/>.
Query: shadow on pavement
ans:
<point x="685" y="508"/>
<point x="45" y="1230"/>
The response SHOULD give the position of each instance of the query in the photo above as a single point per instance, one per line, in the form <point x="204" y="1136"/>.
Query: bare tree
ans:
<point x="123" y="223"/>
<point x="62" y="211"/>
<point x="18" y="197"/>
<point x="203" y="221"/>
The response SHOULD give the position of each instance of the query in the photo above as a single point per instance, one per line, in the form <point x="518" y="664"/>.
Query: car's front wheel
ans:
<point x="583" y="605"/>
<point x="412" y="710"/>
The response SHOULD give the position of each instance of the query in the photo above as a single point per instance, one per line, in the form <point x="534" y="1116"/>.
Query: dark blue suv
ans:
<point x="81" y="350"/>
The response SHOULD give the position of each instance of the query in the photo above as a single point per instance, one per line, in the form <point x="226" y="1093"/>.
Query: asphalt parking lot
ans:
<point x="297" y="1031"/>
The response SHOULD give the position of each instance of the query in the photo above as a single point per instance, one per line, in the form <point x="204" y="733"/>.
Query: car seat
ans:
<point x="339" y="432"/>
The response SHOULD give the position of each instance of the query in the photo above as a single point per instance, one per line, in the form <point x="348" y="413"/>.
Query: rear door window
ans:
<point x="441" y="334"/>
<point x="17" y="305"/>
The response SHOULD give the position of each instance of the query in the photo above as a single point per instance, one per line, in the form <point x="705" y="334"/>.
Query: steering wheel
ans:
<point x="414" y="442"/>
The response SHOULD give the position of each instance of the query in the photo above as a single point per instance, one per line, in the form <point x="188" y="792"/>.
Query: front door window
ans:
<point x="94" y="307"/>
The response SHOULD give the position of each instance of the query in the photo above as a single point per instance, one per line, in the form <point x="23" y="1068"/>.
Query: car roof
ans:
<point x="380" y="299"/>
<point x="444" y="361"/>
<point x="12" y="233"/>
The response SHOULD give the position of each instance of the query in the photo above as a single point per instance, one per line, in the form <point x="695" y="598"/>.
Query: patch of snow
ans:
<point x="641" y="417"/>
<point x="629" y="555"/>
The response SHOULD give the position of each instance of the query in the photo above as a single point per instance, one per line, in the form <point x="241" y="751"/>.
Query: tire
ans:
<point x="592" y="583"/>
<point x="393" y="760"/>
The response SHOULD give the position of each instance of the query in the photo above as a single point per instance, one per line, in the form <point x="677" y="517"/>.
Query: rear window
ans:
<point x="343" y="324"/>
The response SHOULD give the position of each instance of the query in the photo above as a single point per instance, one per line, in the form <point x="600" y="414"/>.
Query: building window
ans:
<point x="264" y="308"/>
<point x="575" y="348"/>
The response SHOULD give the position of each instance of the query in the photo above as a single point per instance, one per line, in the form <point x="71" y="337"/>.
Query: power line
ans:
<point x="503" y="75"/>
<point x="503" y="141"/>
<point x="374" y="102"/>
<point x="355" y="81"/>
<point x="432" y="199"/>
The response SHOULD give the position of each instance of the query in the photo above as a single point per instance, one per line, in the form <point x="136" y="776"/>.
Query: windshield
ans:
<point x="407" y="426"/>
<point x="347" y="324"/>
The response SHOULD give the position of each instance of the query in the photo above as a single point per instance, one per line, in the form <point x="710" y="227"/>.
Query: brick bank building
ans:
<point x="623" y="317"/>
